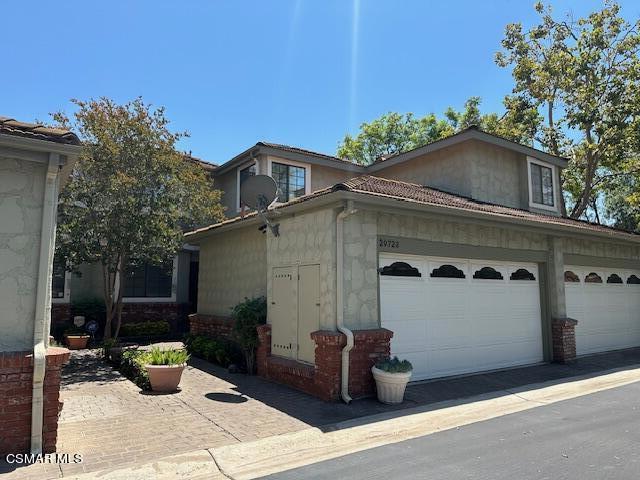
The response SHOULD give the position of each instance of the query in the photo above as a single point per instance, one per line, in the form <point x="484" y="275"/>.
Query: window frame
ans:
<point x="252" y="163"/>
<point x="554" y="180"/>
<point x="283" y="161"/>
<point x="170" y="299"/>
<point x="66" y="298"/>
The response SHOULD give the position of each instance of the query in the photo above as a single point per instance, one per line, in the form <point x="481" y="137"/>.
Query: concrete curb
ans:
<point x="255" y="459"/>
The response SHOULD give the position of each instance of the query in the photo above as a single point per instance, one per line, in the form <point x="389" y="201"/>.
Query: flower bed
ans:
<point x="220" y="351"/>
<point x="133" y="367"/>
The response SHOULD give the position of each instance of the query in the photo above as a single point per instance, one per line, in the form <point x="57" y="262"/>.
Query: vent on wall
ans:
<point x="400" y="269"/>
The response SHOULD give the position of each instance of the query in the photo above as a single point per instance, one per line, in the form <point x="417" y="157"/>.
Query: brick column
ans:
<point x="16" y="389"/>
<point x="369" y="347"/>
<point x="564" y="339"/>
<point x="328" y="357"/>
<point x="263" y="351"/>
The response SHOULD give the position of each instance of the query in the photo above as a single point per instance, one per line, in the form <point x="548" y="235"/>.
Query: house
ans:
<point x="35" y="162"/>
<point x="457" y="256"/>
<point x="151" y="292"/>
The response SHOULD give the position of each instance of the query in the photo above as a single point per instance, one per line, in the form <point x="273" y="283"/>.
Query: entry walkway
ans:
<point x="112" y="424"/>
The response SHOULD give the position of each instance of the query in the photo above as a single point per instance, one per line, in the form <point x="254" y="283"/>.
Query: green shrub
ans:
<point x="221" y="351"/>
<point x="170" y="356"/>
<point x="394" y="365"/>
<point x="73" y="330"/>
<point x="133" y="367"/>
<point x="145" y="329"/>
<point x="247" y="316"/>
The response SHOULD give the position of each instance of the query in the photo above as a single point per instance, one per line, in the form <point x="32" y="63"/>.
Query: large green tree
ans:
<point x="131" y="195"/>
<point x="394" y="133"/>
<point x="577" y="81"/>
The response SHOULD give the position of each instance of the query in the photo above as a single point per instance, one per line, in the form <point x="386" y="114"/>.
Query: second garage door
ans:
<point x="452" y="316"/>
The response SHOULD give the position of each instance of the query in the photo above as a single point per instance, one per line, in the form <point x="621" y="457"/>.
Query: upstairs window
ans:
<point x="541" y="184"/>
<point x="148" y="281"/>
<point x="58" y="278"/>
<point x="247" y="172"/>
<point x="291" y="180"/>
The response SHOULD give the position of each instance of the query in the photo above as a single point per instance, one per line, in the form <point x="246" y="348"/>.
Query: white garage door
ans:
<point x="606" y="303"/>
<point x="460" y="316"/>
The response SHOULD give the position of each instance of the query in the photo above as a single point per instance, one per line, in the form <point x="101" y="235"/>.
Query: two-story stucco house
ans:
<point x="35" y="162"/>
<point x="456" y="256"/>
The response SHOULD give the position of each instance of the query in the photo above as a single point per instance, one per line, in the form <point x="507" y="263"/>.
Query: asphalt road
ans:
<point x="594" y="437"/>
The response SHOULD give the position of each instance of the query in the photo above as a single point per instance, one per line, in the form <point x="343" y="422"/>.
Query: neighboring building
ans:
<point x="35" y="162"/>
<point x="456" y="256"/>
<point x="151" y="292"/>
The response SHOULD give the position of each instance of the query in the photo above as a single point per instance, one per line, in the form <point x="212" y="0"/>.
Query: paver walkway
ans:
<point x="112" y="423"/>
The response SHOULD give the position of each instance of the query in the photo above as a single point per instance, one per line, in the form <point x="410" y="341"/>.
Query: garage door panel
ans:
<point x="451" y="326"/>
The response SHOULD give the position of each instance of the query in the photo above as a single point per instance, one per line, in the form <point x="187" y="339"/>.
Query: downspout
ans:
<point x="43" y="300"/>
<point x="348" y="210"/>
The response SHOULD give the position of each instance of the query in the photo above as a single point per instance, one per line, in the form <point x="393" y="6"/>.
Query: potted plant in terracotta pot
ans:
<point x="391" y="376"/>
<point x="165" y="368"/>
<point x="76" y="338"/>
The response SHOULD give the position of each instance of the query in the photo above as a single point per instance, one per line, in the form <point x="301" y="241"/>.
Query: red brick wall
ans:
<point x="211" y="325"/>
<point x="16" y="388"/>
<point x="323" y="379"/>
<point x="563" y="334"/>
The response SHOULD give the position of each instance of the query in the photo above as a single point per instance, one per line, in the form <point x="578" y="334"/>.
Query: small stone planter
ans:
<point x="165" y="378"/>
<point x="77" y="342"/>
<point x="390" y="387"/>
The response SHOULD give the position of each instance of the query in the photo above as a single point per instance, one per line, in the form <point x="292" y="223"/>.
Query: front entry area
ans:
<point x="606" y="303"/>
<point x="456" y="316"/>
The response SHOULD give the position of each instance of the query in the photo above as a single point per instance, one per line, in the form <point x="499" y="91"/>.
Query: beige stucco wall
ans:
<point x="21" y="197"/>
<point x="475" y="169"/>
<point x="233" y="265"/>
<point x="308" y="239"/>
<point x="322" y="177"/>
<point x="602" y="249"/>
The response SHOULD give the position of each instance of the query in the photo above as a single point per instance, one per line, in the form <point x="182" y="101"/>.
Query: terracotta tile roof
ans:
<point x="303" y="151"/>
<point x="10" y="126"/>
<point x="414" y="193"/>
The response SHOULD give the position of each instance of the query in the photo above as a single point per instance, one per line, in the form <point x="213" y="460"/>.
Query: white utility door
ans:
<point x="446" y="322"/>
<point x="606" y="303"/>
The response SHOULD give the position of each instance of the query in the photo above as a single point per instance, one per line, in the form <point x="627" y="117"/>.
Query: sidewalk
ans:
<point x="107" y="419"/>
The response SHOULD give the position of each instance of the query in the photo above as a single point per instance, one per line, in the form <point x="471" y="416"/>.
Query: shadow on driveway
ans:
<point x="324" y="415"/>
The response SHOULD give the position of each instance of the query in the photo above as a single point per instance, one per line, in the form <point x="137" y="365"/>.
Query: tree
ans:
<point x="394" y="133"/>
<point x="581" y="77"/>
<point x="131" y="195"/>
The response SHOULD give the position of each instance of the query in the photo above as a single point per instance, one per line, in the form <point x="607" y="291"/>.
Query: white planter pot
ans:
<point x="390" y="386"/>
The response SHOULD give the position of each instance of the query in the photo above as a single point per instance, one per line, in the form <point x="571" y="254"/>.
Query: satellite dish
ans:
<point x="258" y="192"/>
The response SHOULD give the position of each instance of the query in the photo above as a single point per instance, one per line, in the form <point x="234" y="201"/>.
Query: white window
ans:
<point x="542" y="181"/>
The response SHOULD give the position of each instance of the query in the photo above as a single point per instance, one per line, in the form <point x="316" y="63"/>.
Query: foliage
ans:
<point x="107" y="345"/>
<point x="169" y="356"/>
<point x="622" y="203"/>
<point x="577" y="81"/>
<point x="220" y="351"/>
<point x="247" y="316"/>
<point x="131" y="194"/>
<point x="133" y="366"/>
<point x="394" y="365"/>
<point x="145" y="329"/>
<point x="394" y="133"/>
<point x="73" y="330"/>
<point x="91" y="308"/>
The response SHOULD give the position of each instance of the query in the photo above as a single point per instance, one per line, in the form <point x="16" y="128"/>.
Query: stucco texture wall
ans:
<point x="21" y="197"/>
<point x="233" y="265"/>
<point x="309" y="239"/>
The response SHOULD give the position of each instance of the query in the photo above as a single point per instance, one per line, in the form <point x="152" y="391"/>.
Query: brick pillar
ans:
<point x="264" y="349"/>
<point x="564" y="339"/>
<point x="16" y="389"/>
<point x="369" y="347"/>
<point x="328" y="359"/>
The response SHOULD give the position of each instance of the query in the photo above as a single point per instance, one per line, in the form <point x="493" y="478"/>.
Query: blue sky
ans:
<point x="233" y="72"/>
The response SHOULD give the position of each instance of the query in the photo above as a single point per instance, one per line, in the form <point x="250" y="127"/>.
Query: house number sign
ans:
<point x="388" y="243"/>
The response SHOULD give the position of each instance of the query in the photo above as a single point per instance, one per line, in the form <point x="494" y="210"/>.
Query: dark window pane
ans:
<point x="247" y="172"/>
<point x="290" y="181"/>
<point x="536" y="183"/>
<point x="447" y="271"/>
<point x="148" y="281"/>
<point x="541" y="185"/>
<point x="57" y="279"/>
<point x="547" y="186"/>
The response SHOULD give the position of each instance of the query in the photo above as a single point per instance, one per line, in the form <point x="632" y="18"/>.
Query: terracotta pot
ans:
<point x="77" y="342"/>
<point x="390" y="387"/>
<point x="165" y="378"/>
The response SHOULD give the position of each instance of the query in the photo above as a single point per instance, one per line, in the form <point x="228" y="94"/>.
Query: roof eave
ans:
<point x="34" y="144"/>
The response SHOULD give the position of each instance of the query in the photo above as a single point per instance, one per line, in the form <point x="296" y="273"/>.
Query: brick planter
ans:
<point x="211" y="325"/>
<point x="563" y="333"/>
<point x="16" y="389"/>
<point x="323" y="379"/>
